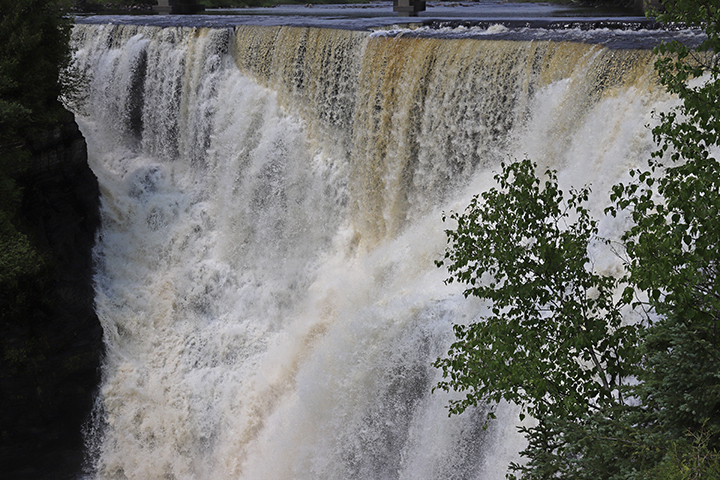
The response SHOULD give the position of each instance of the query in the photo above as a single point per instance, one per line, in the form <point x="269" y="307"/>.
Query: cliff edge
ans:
<point x="50" y="337"/>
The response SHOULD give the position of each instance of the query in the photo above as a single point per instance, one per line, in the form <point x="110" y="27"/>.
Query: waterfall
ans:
<point x="271" y="214"/>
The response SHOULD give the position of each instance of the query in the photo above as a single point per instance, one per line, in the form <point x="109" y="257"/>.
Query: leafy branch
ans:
<point x="555" y="338"/>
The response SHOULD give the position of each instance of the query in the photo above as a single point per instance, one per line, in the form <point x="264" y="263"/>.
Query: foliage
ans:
<point x="689" y="460"/>
<point x="523" y="241"/>
<point x="672" y="245"/>
<point x="34" y="35"/>
<point x="554" y="343"/>
<point x="680" y="379"/>
<point x="18" y="258"/>
<point x="554" y="337"/>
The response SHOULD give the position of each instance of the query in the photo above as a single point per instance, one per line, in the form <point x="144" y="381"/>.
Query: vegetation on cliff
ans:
<point x="34" y="35"/>
<point x="611" y="399"/>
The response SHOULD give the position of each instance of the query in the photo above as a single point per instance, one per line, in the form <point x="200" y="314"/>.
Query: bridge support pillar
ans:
<point x="408" y="8"/>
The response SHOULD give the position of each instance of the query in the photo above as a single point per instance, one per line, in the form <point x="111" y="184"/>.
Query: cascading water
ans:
<point x="271" y="203"/>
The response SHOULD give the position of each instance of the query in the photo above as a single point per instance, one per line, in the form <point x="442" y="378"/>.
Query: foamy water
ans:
<point x="271" y="202"/>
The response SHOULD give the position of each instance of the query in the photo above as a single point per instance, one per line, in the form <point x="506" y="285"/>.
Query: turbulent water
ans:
<point x="271" y="202"/>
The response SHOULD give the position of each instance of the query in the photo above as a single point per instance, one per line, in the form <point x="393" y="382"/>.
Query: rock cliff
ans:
<point x="51" y="339"/>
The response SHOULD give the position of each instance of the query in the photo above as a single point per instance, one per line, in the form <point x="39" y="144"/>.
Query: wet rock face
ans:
<point x="52" y="340"/>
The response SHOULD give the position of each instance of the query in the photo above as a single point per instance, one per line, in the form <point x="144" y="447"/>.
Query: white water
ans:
<point x="271" y="203"/>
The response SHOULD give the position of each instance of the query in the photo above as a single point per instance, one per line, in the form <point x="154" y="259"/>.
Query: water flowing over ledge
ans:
<point x="271" y="202"/>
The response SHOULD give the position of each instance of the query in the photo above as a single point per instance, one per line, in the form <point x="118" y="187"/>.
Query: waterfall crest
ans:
<point x="271" y="202"/>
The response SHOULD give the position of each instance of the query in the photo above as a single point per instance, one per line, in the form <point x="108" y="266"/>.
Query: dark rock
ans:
<point x="52" y="339"/>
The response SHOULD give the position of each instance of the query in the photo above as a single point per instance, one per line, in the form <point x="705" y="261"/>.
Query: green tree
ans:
<point x="553" y="341"/>
<point x="34" y="36"/>
<point x="672" y="248"/>
<point x="692" y="460"/>
<point x="553" y="325"/>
